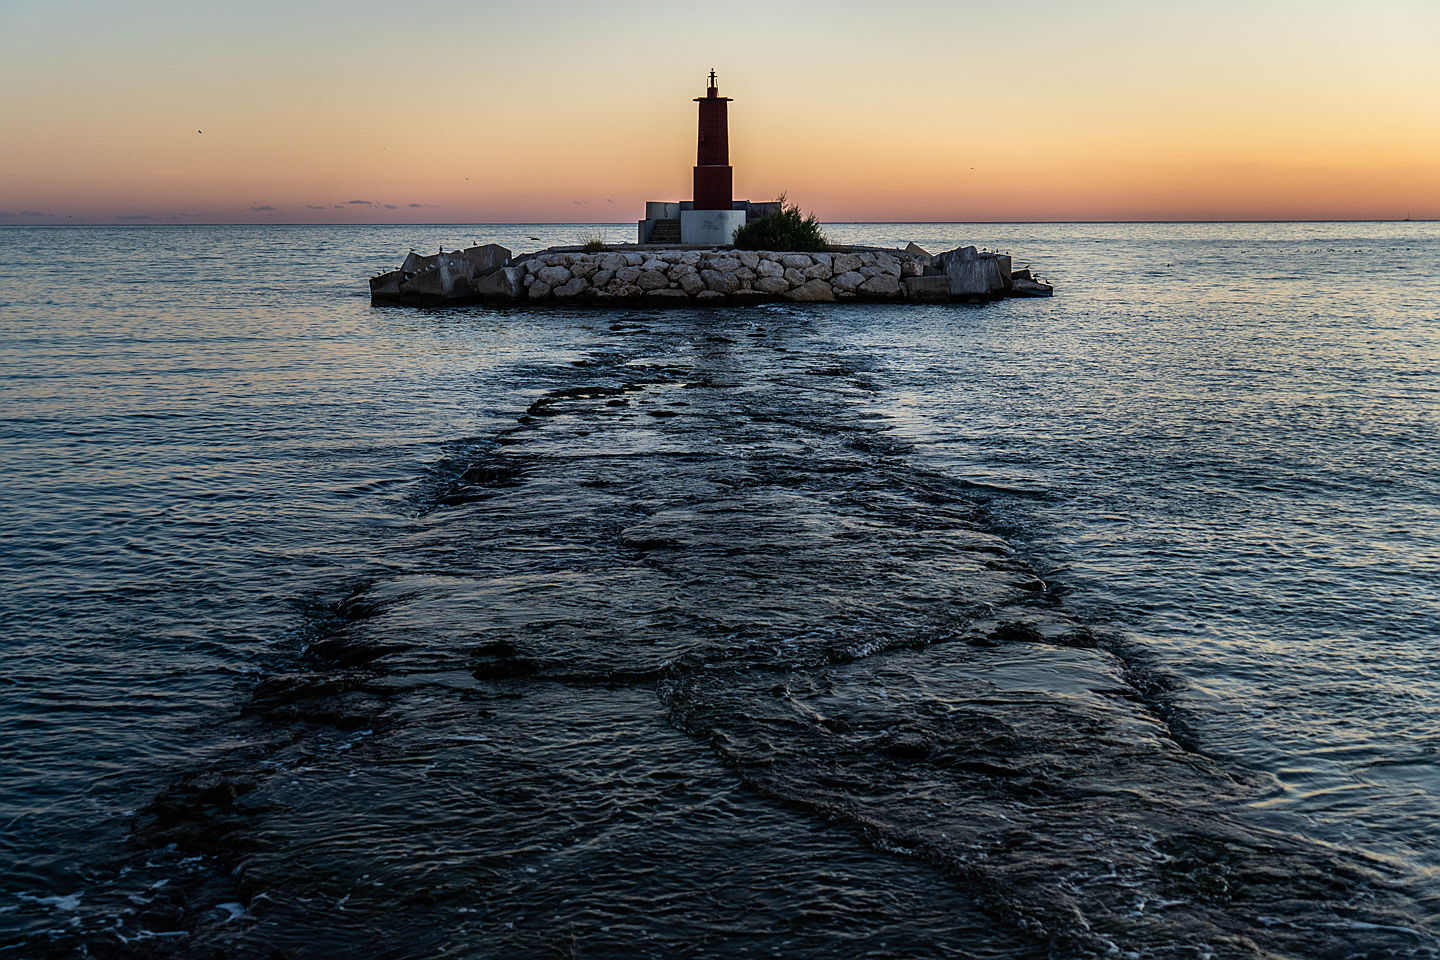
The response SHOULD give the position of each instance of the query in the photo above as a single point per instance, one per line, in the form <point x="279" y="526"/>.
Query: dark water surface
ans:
<point x="1104" y="625"/>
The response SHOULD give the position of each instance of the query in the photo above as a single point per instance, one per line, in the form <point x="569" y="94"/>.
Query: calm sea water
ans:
<point x="1106" y="622"/>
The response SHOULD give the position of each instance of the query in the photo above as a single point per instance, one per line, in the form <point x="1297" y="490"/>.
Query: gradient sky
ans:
<point x="572" y="110"/>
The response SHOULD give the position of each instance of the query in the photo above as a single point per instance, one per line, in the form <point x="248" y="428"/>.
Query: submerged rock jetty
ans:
<point x="706" y="276"/>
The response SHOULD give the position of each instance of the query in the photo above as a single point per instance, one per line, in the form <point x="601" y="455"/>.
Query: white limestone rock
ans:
<point x="571" y="288"/>
<point x="849" y="281"/>
<point x="627" y="274"/>
<point x="553" y="275"/>
<point x="795" y="261"/>
<point x="652" y="280"/>
<point x="723" y="264"/>
<point x="612" y="262"/>
<point x="748" y="259"/>
<point x="719" y="281"/>
<point x="817" y="271"/>
<point x="769" y="268"/>
<point x="772" y="284"/>
<point x="881" y="285"/>
<point x="845" y="262"/>
<point x="691" y="282"/>
<point x="602" y="277"/>
<point x="794" y="276"/>
<point x="538" y="290"/>
<point x="633" y="259"/>
<point x="812" y="291"/>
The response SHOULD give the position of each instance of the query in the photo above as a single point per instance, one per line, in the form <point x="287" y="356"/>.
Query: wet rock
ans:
<point x="290" y="688"/>
<point x="349" y="651"/>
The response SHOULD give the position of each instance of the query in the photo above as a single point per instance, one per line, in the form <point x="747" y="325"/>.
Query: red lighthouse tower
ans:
<point x="714" y="178"/>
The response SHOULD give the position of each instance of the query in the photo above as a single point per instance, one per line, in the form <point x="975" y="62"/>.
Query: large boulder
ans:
<point x="915" y="250"/>
<point x="387" y="285"/>
<point x="719" y="281"/>
<point x="723" y="264"/>
<point x="795" y="261"/>
<point x="772" y="285"/>
<point x="652" y="280"/>
<point x="812" y="291"/>
<point x="571" y="288"/>
<point x="768" y="268"/>
<point x="690" y="282"/>
<point x="926" y="289"/>
<point x="554" y="276"/>
<point x="849" y="281"/>
<point x="881" y="285"/>
<point x="430" y="286"/>
<point x="502" y="286"/>
<point x="1031" y="288"/>
<point x="975" y="274"/>
<point x="486" y="258"/>
<point x="845" y="262"/>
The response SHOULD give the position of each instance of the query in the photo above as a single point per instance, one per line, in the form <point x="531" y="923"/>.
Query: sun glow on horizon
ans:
<point x="576" y="111"/>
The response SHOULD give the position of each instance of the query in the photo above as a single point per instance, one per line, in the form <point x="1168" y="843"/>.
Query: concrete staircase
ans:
<point x="666" y="231"/>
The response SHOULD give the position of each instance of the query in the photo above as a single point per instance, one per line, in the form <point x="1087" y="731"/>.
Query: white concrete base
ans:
<point x="716" y="227"/>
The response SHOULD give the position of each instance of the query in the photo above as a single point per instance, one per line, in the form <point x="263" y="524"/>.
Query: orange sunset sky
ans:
<point x="570" y="110"/>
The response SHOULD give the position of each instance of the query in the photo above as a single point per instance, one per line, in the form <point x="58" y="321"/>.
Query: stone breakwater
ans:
<point x="678" y="276"/>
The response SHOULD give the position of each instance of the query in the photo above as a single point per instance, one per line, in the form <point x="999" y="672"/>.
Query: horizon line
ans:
<point x="629" y="223"/>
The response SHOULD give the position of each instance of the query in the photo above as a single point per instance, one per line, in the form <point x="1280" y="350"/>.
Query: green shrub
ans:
<point x="785" y="229"/>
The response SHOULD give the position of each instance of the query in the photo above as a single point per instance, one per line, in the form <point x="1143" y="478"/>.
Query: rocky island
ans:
<point x="679" y="275"/>
<point x="712" y="250"/>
